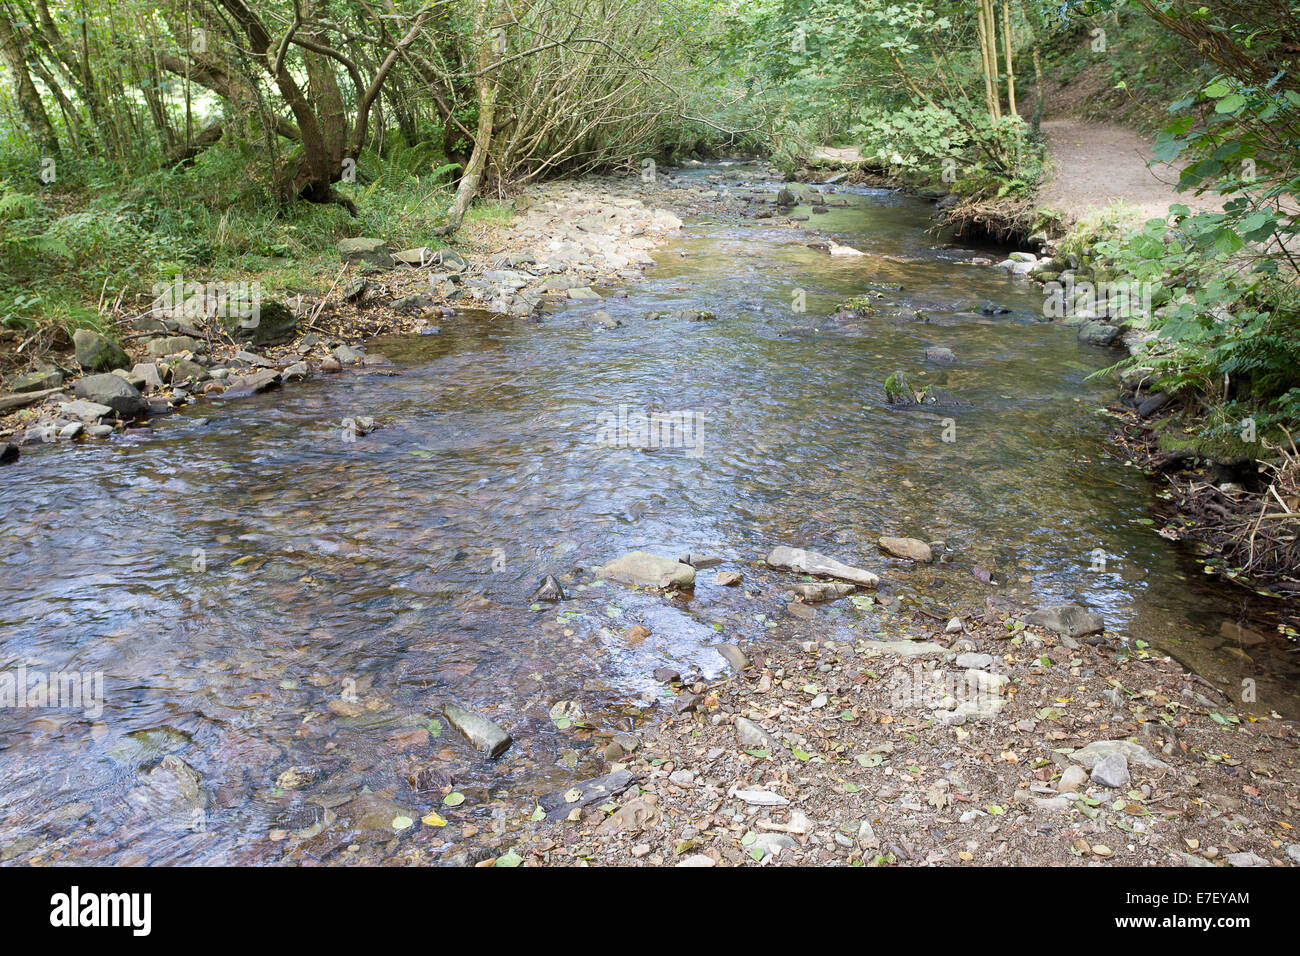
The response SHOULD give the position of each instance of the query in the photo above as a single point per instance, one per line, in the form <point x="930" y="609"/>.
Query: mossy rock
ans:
<point x="1176" y="437"/>
<point x="897" y="389"/>
<point x="274" y="322"/>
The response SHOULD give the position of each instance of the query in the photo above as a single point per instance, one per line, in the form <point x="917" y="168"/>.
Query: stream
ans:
<point x="285" y="609"/>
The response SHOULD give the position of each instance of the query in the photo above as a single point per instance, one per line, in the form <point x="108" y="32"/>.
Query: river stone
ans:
<point x="1072" y="780"/>
<point x="38" y="381"/>
<point x="8" y="453"/>
<point x="486" y="736"/>
<point x="378" y="817"/>
<point x="978" y="661"/>
<point x="1097" y="333"/>
<point x="97" y="353"/>
<point x="170" y="345"/>
<point x="561" y="803"/>
<point x="184" y="370"/>
<point x="548" y="590"/>
<point x="733" y="656"/>
<point x="172" y="794"/>
<point x="1090" y="755"/>
<point x="786" y="197"/>
<point x="421" y="256"/>
<point x="1069" y="620"/>
<point x="814" y="592"/>
<point x="88" y="412"/>
<point x="642" y="569"/>
<point x="452" y="261"/>
<point x="366" y="251"/>
<point x="810" y="562"/>
<point x="904" y="649"/>
<point x="147" y="374"/>
<point x="115" y="392"/>
<point x="938" y="353"/>
<point x="274" y="322"/>
<point x="907" y="548"/>
<point x="1111" y="771"/>
<point x="754" y="737"/>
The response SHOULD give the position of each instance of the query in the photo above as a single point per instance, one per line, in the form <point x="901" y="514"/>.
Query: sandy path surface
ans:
<point x="1090" y="165"/>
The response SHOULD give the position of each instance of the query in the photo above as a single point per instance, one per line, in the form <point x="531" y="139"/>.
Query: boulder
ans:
<point x="97" y="353"/>
<point x="1097" y="333"/>
<point x="642" y="569"/>
<point x="115" y="392"/>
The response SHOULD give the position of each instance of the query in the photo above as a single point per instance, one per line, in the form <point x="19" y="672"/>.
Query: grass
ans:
<point x="74" y="253"/>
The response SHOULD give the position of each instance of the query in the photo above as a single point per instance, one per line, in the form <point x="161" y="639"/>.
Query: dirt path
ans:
<point x="1091" y="164"/>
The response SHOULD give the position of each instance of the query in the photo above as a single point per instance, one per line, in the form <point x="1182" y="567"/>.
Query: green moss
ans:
<point x="897" y="389"/>
<point x="1219" y="442"/>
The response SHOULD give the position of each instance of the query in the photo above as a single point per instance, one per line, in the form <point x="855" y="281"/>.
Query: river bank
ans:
<point x="563" y="242"/>
<point x="977" y="742"/>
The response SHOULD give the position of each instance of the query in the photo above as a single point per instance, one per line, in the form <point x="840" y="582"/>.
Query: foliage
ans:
<point x="1230" y="331"/>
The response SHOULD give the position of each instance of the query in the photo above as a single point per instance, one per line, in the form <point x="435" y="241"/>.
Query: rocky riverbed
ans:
<point x="1004" y="736"/>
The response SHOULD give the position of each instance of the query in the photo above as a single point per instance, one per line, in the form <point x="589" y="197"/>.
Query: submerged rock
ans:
<point x="810" y="562"/>
<point x="172" y="794"/>
<point x="642" y="569"/>
<point x="482" y="733"/>
<point x="909" y="548"/>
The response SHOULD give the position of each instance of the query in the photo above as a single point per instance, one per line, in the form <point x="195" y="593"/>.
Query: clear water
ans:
<point x="245" y="569"/>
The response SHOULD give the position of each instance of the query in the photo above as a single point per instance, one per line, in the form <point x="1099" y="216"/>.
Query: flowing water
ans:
<point x="262" y="595"/>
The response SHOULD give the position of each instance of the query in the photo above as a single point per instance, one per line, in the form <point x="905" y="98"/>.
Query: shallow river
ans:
<point x="262" y="595"/>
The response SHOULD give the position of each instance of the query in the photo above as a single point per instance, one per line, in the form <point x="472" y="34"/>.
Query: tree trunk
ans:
<point x="1011" y="70"/>
<point x="29" y="99"/>
<point x="487" y="86"/>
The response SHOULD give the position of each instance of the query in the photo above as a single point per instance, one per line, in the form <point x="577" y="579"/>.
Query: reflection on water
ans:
<point x="285" y="610"/>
